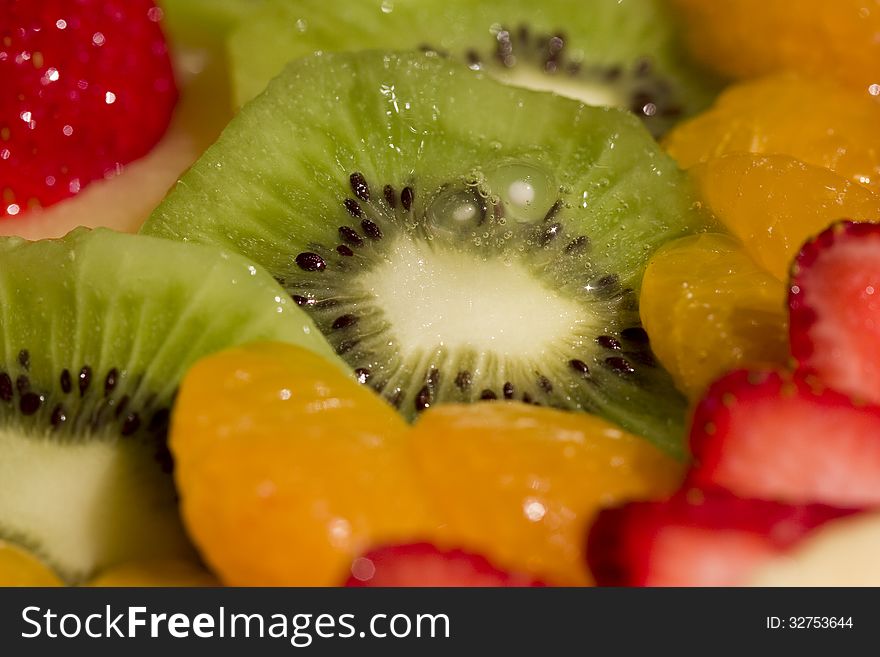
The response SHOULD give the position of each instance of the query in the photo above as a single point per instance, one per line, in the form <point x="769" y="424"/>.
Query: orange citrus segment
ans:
<point x="774" y="203"/>
<point x="815" y="121"/>
<point x="708" y="308"/>
<point x="521" y="484"/>
<point x="288" y="468"/>
<point x="747" y="38"/>
<point x="165" y="572"/>
<point x="20" y="568"/>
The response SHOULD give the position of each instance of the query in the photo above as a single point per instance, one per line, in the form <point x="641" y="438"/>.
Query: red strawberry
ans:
<point x="834" y="302"/>
<point x="782" y="437"/>
<point x="422" y="564"/>
<point x="697" y="538"/>
<point x="87" y="87"/>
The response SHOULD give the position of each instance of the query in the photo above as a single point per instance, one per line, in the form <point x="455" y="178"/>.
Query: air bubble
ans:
<point x="457" y="211"/>
<point x="527" y="191"/>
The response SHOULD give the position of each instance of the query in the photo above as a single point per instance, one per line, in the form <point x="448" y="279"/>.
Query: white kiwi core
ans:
<point x="435" y="298"/>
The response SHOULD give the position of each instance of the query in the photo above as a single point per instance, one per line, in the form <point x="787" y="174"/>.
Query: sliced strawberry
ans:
<point x="422" y="564"/>
<point x="783" y="437"/>
<point x="87" y="87"/>
<point x="697" y="538"/>
<point x="834" y="301"/>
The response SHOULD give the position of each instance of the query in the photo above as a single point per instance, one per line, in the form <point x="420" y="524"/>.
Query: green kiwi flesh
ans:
<point x="604" y="52"/>
<point x="204" y="22"/>
<point x="97" y="330"/>
<point x="454" y="238"/>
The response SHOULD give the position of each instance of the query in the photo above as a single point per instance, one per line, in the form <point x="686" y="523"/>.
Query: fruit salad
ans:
<point x="423" y="293"/>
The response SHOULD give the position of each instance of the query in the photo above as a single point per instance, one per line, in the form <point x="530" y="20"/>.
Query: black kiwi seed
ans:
<point x="463" y="380"/>
<point x="350" y="236"/>
<point x="579" y="366"/>
<point x="23" y="384"/>
<point x="363" y="374"/>
<point x="66" y="383"/>
<point x="550" y="234"/>
<point x="635" y="334"/>
<point x="110" y="381"/>
<point x="24" y="359"/>
<point x="346" y="346"/>
<point x="359" y="186"/>
<point x="309" y="261"/>
<point x="488" y="394"/>
<point x="407" y="196"/>
<point x="353" y="208"/>
<point x="344" y="321"/>
<point x="577" y="244"/>
<point x="59" y="416"/>
<point x="121" y="404"/>
<point x="344" y="251"/>
<point x="545" y="384"/>
<point x="164" y="458"/>
<point x="619" y="365"/>
<point x="131" y="424"/>
<point x="300" y="300"/>
<point x="159" y="421"/>
<point x="30" y="403"/>
<point x="6" y="391"/>
<point x="424" y="398"/>
<point x="390" y="196"/>
<point x="610" y="280"/>
<point x="372" y="230"/>
<point x="508" y="390"/>
<point x="85" y="378"/>
<point x="608" y="342"/>
<point x="395" y="398"/>
<point x="553" y="211"/>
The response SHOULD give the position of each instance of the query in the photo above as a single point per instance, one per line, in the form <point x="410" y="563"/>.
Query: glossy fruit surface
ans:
<point x="811" y="119"/>
<point x="774" y="203"/>
<point x="520" y="484"/>
<point x="746" y="38"/>
<point x="288" y="468"/>
<point x="835" y="309"/>
<point x="709" y="308"/>
<point x="775" y="436"/>
<point x="88" y="87"/>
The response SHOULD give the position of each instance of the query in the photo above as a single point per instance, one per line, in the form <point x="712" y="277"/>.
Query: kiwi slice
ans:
<point x="454" y="238"/>
<point x="622" y="53"/>
<point x="97" y="330"/>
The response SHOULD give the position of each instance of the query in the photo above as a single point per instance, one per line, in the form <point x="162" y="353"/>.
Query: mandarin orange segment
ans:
<point x="709" y="308"/>
<point x="158" y="572"/>
<point x="774" y="203"/>
<point x="288" y="468"/>
<point x="520" y="484"/>
<point x="815" y="121"/>
<point x="18" y="567"/>
<point x="747" y="38"/>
